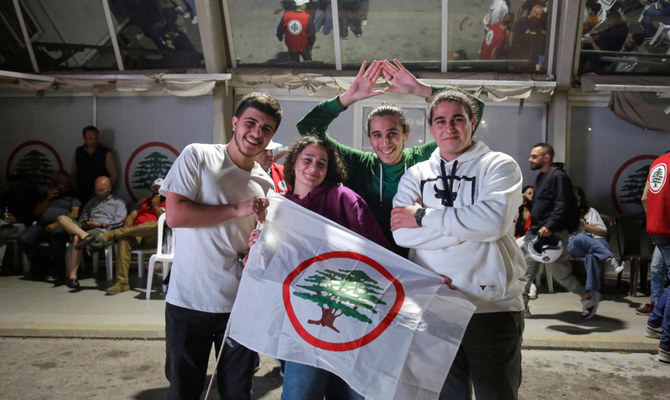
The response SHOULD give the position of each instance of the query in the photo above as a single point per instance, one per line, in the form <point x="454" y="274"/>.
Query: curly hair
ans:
<point x="336" y="170"/>
<point x="389" y="109"/>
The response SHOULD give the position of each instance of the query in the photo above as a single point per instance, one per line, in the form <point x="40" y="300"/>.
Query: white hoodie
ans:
<point x="467" y="233"/>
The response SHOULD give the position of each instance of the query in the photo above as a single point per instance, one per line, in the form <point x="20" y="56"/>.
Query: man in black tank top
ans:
<point x="92" y="160"/>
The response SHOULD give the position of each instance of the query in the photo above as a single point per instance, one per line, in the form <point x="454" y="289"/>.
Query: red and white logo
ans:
<point x="657" y="177"/>
<point x="341" y="300"/>
<point x="150" y="161"/>
<point x="294" y="26"/>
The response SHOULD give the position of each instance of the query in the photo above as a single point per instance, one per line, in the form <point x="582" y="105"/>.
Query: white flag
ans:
<point x="316" y="293"/>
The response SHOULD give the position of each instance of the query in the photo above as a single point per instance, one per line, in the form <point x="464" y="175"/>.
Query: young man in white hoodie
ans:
<point x="456" y="213"/>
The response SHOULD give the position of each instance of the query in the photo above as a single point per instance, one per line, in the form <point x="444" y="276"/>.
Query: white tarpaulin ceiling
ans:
<point x="201" y="84"/>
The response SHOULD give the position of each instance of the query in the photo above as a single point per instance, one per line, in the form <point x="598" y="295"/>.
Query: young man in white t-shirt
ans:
<point x="215" y="193"/>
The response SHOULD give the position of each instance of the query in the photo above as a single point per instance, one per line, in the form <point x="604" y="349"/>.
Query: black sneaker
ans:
<point x="72" y="283"/>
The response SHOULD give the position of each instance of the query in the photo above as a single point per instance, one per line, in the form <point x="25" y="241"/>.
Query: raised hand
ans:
<point x="361" y="87"/>
<point x="402" y="81"/>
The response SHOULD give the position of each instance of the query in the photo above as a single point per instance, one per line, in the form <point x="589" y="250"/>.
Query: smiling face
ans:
<point x="387" y="138"/>
<point x="311" y="168"/>
<point x="252" y="132"/>
<point x="452" y="129"/>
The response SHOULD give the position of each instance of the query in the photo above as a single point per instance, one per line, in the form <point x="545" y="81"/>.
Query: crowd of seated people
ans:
<point x="57" y="218"/>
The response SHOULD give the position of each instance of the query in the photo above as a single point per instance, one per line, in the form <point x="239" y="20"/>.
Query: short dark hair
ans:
<point x="546" y="149"/>
<point x="389" y="109"/>
<point x="89" y="128"/>
<point x="336" y="170"/>
<point x="584" y="203"/>
<point x="462" y="54"/>
<point x="638" y="38"/>
<point x="613" y="14"/>
<point x="262" y="102"/>
<point x="508" y="19"/>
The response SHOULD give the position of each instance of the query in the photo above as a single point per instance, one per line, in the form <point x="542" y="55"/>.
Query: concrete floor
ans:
<point x="58" y="343"/>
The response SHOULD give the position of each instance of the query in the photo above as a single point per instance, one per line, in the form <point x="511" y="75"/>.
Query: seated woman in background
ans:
<point x="314" y="170"/>
<point x="590" y="243"/>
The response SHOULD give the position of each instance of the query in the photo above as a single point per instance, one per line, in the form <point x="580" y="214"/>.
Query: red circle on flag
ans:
<point x="32" y="143"/>
<point x="614" y="194"/>
<point x="353" y="344"/>
<point x="145" y="146"/>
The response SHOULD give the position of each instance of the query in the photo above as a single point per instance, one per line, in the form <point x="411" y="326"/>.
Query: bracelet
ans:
<point x="418" y="215"/>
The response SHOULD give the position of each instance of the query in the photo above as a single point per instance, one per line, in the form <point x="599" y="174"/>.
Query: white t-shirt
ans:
<point x="496" y="12"/>
<point x="205" y="272"/>
<point x="592" y="217"/>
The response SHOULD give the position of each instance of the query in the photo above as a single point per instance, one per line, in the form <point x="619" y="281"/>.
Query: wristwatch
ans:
<point x="418" y="215"/>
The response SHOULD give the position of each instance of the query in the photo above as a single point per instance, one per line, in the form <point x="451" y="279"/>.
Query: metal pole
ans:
<point x="26" y="38"/>
<point x="552" y="37"/>
<point x="445" y="35"/>
<point x="335" y="12"/>
<point x="112" y="35"/>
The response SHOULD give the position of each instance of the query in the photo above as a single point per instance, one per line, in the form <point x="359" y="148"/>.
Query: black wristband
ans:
<point x="418" y="215"/>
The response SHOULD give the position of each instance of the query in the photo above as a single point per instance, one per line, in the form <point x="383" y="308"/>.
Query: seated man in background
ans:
<point x="660" y="12"/>
<point x="16" y="208"/>
<point x="590" y="242"/>
<point x="611" y="39"/>
<point x="139" y="231"/>
<point x="58" y="201"/>
<point x="103" y="212"/>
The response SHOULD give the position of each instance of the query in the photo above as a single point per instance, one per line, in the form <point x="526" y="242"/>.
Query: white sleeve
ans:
<point x="498" y="14"/>
<point x="184" y="175"/>
<point x="592" y="217"/>
<point x="421" y="237"/>
<point x="492" y="214"/>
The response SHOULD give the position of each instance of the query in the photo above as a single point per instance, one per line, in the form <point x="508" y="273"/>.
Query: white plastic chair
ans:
<point x="95" y="257"/>
<point x="140" y="259"/>
<point x="662" y="35"/>
<point x="160" y="256"/>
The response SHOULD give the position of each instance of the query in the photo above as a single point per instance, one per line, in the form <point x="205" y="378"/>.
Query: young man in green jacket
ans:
<point x="375" y="175"/>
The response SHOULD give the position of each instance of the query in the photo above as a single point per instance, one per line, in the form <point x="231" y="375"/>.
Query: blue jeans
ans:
<point x="661" y="313"/>
<point x="658" y="273"/>
<point x="189" y="335"/>
<point x="651" y="15"/>
<point x="660" y="316"/>
<point x="323" y="18"/>
<point x="490" y="357"/>
<point x="304" y="382"/>
<point x="593" y="250"/>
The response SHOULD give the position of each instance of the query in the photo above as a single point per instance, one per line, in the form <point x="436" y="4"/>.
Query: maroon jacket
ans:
<point x="343" y="206"/>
